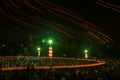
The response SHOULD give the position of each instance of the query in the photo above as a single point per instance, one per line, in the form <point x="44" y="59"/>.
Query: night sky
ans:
<point x="107" y="19"/>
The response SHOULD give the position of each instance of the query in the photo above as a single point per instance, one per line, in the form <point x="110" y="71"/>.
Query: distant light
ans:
<point x="86" y="55"/>
<point x="50" y="48"/>
<point x="50" y="52"/>
<point x="50" y="41"/>
<point x="43" y="40"/>
<point x="86" y="51"/>
<point x="38" y="48"/>
<point x="3" y="45"/>
<point x="38" y="51"/>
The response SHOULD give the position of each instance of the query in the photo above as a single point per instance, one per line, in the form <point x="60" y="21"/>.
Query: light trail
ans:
<point x="108" y="5"/>
<point x="30" y="14"/>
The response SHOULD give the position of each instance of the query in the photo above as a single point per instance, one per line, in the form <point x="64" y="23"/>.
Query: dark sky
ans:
<point x="105" y="18"/>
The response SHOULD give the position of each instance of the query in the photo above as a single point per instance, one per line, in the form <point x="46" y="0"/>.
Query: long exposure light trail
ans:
<point x="32" y="13"/>
<point x="108" y="5"/>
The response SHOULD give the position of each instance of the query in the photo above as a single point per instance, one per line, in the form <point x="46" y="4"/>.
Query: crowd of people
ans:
<point x="109" y="71"/>
<point x="39" y="61"/>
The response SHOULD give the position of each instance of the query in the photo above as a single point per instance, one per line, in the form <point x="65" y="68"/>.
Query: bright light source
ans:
<point x="50" y="42"/>
<point x="38" y="51"/>
<point x="50" y="52"/>
<point x="38" y="48"/>
<point x="86" y="55"/>
<point x="86" y="51"/>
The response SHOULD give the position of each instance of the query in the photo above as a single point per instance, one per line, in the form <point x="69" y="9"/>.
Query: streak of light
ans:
<point x="108" y="5"/>
<point x="15" y="11"/>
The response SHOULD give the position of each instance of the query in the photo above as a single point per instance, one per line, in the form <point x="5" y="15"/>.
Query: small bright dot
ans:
<point x="50" y="41"/>
<point x="38" y="48"/>
<point x="43" y="40"/>
<point x="86" y="51"/>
